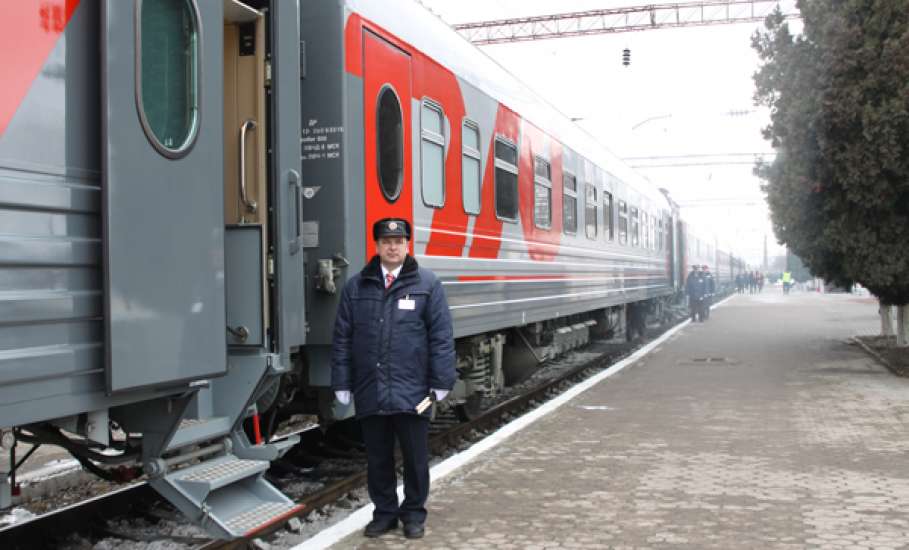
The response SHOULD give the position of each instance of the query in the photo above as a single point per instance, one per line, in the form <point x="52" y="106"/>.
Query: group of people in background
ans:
<point x="752" y="281"/>
<point x="700" y="288"/>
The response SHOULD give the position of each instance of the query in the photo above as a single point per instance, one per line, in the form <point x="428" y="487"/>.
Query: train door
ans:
<point x="246" y="201"/>
<point x="670" y="236"/>
<point x="286" y="246"/>
<point x="388" y="146"/>
<point x="682" y="258"/>
<point x="262" y="183"/>
<point x="163" y="232"/>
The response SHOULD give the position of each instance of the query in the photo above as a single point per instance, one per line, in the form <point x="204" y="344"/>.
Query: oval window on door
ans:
<point x="167" y="73"/>
<point x="390" y="144"/>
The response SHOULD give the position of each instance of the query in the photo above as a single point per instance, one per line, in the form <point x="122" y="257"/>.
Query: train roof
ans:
<point x="427" y="32"/>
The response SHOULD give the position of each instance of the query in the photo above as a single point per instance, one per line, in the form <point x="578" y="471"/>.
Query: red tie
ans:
<point x="389" y="278"/>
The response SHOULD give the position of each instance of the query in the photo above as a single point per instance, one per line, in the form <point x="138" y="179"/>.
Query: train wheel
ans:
<point x="470" y="409"/>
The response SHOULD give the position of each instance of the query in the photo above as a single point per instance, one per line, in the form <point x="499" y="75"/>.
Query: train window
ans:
<point x="660" y="234"/>
<point x="506" y="177"/>
<point x="635" y="227"/>
<point x="167" y="62"/>
<point x="570" y="203"/>
<point x="645" y="230"/>
<point x="542" y="193"/>
<point x="590" y="211"/>
<point x="653" y="232"/>
<point x="432" y="154"/>
<point x="623" y="222"/>
<point x="470" y="167"/>
<point x="390" y="144"/>
<point x="608" y="218"/>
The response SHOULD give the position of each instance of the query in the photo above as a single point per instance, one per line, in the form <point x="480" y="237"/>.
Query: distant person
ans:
<point x="695" y="287"/>
<point x="740" y="283"/>
<point x="760" y="282"/>
<point x="787" y="282"/>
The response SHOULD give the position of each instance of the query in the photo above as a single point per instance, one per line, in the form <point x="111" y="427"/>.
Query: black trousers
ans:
<point x="412" y="433"/>
<point x="695" y="309"/>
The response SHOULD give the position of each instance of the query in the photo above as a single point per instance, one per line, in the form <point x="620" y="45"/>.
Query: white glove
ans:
<point x="440" y="394"/>
<point x="343" y="396"/>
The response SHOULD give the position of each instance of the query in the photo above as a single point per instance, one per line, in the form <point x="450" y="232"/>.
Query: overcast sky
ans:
<point x="674" y="99"/>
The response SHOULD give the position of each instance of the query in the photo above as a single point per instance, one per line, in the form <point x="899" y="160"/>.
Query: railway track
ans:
<point x="91" y="518"/>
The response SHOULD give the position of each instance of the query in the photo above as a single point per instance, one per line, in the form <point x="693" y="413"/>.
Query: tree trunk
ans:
<point x="902" y="325"/>
<point x="886" y="320"/>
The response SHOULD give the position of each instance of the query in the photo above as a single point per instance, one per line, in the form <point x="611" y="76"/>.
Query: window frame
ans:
<point x="596" y="210"/>
<point x="659" y="244"/>
<point x="609" y="216"/>
<point x="623" y="216"/>
<point x="539" y="180"/>
<point x="634" y="230"/>
<point x="436" y="139"/>
<point x="573" y="193"/>
<point x="653" y="232"/>
<point x="477" y="155"/>
<point x="198" y="63"/>
<point x="399" y="188"/>
<point x="510" y="168"/>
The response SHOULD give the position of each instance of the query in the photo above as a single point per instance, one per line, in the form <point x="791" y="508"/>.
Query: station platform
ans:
<point x="761" y="428"/>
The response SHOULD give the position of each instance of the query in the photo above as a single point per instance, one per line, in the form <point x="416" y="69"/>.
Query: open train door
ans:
<point x="163" y="214"/>
<point x="287" y="183"/>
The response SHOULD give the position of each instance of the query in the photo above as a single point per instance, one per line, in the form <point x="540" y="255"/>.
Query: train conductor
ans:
<point x="393" y="349"/>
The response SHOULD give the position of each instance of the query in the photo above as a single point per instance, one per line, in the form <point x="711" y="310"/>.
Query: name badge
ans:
<point x="404" y="303"/>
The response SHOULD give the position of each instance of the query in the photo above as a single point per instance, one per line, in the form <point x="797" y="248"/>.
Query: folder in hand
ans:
<point x="425" y="403"/>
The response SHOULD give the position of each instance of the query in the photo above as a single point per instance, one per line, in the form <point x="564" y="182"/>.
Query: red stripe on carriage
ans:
<point x="353" y="45"/>
<point x="29" y="29"/>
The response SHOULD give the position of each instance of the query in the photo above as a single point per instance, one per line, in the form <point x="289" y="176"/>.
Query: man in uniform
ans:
<point x="393" y="348"/>
<point x="695" y="288"/>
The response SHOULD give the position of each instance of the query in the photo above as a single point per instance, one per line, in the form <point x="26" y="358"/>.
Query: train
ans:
<point x="185" y="186"/>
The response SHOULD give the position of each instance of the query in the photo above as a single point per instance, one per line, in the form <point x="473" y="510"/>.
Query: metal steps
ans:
<point x="226" y="495"/>
<point x="263" y="514"/>
<point x="195" y="431"/>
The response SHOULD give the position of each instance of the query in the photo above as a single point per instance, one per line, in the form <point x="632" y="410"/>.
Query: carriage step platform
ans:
<point x="228" y="496"/>
<point x="191" y="432"/>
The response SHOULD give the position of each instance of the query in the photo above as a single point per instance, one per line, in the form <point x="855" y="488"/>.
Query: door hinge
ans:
<point x="268" y="73"/>
<point x="270" y="266"/>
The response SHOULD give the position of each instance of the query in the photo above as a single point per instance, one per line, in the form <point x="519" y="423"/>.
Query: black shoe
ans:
<point x="413" y="530"/>
<point x="379" y="527"/>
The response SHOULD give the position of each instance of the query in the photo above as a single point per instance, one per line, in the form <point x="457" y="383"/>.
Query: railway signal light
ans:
<point x="626" y="57"/>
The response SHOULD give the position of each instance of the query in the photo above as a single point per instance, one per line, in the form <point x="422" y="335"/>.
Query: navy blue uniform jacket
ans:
<point x="696" y="286"/>
<point x="387" y="356"/>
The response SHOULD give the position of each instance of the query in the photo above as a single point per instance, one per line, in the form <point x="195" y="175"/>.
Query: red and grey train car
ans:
<point x="528" y="222"/>
<point x="186" y="184"/>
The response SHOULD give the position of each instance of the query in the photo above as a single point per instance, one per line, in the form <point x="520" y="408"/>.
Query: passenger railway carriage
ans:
<point x="186" y="184"/>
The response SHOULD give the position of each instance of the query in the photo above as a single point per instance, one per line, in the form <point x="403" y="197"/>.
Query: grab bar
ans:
<point x="250" y="124"/>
